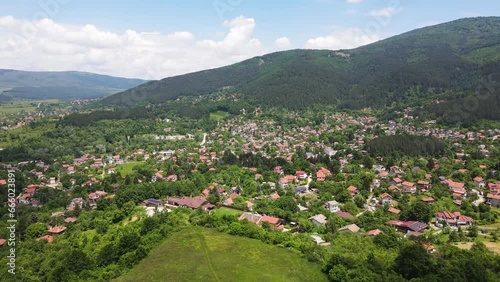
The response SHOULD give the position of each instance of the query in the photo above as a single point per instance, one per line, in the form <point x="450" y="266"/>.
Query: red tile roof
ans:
<point x="57" y="229"/>
<point x="344" y="214"/>
<point x="49" y="238"/>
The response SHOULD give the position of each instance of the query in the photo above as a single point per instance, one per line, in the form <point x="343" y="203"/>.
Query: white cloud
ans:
<point x="48" y="45"/>
<point x="354" y="1"/>
<point x="384" y="12"/>
<point x="342" y="39"/>
<point x="282" y="43"/>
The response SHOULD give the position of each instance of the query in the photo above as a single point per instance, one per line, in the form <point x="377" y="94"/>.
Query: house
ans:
<point x="302" y="175"/>
<point x="252" y="217"/>
<point x="320" y="176"/>
<point x="422" y="184"/>
<point x="345" y="215"/>
<point x="353" y="190"/>
<point x="394" y="189"/>
<point x="353" y="228"/>
<point x="190" y="202"/>
<point x="47" y="238"/>
<point x="430" y="249"/>
<point x="278" y="169"/>
<point x="274" y="196"/>
<point x="332" y="206"/>
<point x="317" y="239"/>
<point x="300" y="190"/>
<point x="428" y="200"/>
<point x="385" y="198"/>
<point x="413" y="226"/>
<point x="228" y="202"/>
<point x="383" y="175"/>
<point x="93" y="196"/>
<point x="172" y="177"/>
<point x="452" y="185"/>
<point x="249" y="205"/>
<point x="479" y="182"/>
<point x="409" y="187"/>
<point x="287" y="180"/>
<point x="394" y="210"/>
<point x="258" y="219"/>
<point x="153" y="203"/>
<point x="318" y="219"/>
<point x="493" y="200"/>
<point x="452" y="219"/>
<point x="57" y="230"/>
<point x="273" y="221"/>
<point x="374" y="232"/>
<point x="70" y="220"/>
<point x="397" y="181"/>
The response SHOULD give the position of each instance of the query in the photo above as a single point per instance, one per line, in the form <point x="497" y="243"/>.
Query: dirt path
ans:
<point x="207" y="256"/>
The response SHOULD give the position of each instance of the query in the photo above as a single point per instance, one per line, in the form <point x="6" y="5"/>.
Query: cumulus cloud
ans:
<point x="354" y="1"/>
<point x="342" y="39"/>
<point x="49" y="45"/>
<point x="282" y="43"/>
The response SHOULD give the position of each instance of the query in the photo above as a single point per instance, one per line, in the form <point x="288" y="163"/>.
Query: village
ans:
<point x="325" y="172"/>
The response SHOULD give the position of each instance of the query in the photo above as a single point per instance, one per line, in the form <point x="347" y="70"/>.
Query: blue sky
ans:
<point x="202" y="34"/>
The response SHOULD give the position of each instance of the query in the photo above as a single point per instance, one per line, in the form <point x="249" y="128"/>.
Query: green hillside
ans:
<point x="16" y="84"/>
<point x="409" y="68"/>
<point x="197" y="254"/>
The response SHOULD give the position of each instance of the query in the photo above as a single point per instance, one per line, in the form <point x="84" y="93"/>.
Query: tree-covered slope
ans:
<point x="60" y="85"/>
<point x="453" y="55"/>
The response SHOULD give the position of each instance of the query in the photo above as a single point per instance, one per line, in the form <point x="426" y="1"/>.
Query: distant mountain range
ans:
<point x="408" y="68"/>
<point x="15" y="84"/>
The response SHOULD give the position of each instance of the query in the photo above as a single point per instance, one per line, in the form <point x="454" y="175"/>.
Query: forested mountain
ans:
<point x="420" y="64"/>
<point x="15" y="84"/>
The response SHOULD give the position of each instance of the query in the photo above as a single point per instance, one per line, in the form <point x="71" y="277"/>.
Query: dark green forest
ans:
<point x="438" y="60"/>
<point x="407" y="145"/>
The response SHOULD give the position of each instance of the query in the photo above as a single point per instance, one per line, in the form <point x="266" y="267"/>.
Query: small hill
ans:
<point x="197" y="254"/>
<point x="454" y="56"/>
<point x="15" y="84"/>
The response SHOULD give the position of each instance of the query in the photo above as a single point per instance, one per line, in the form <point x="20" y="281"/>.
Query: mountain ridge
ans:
<point x="449" y="56"/>
<point x="17" y="84"/>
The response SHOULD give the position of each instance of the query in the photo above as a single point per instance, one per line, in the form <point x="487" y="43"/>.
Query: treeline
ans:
<point x="407" y="145"/>
<point x="85" y="119"/>
<point x="469" y="109"/>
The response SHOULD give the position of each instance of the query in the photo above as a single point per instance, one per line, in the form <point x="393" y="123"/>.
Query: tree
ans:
<point x="338" y="273"/>
<point x="287" y="203"/>
<point x="351" y="208"/>
<point x="413" y="261"/>
<point x="420" y="211"/>
<point x="36" y="230"/>
<point x="360" y="201"/>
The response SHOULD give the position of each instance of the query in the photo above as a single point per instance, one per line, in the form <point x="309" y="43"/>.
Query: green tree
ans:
<point x="360" y="201"/>
<point x="36" y="230"/>
<point x="413" y="261"/>
<point x="420" y="211"/>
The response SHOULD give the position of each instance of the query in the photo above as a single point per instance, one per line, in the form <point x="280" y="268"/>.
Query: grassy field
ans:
<point x="226" y="211"/>
<point x="198" y="254"/>
<point x="219" y="115"/>
<point x="492" y="246"/>
<point x="7" y="108"/>
<point x="127" y="168"/>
